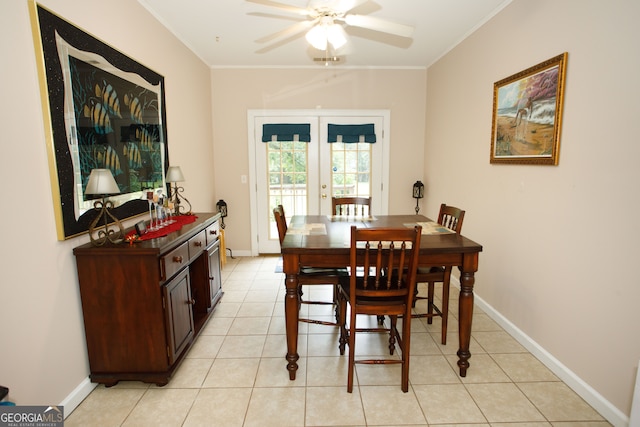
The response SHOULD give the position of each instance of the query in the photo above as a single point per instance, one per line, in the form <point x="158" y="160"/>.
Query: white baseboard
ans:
<point x="584" y="390"/>
<point x="76" y="397"/>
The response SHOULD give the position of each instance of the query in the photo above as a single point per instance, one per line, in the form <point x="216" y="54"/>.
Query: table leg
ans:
<point x="465" y="316"/>
<point x="465" y="311"/>
<point x="291" y="319"/>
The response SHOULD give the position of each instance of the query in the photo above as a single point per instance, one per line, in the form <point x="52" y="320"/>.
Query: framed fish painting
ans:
<point x="102" y="110"/>
<point x="527" y="114"/>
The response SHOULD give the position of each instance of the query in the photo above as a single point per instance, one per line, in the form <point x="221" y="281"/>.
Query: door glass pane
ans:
<point x="288" y="185"/>
<point x="351" y="169"/>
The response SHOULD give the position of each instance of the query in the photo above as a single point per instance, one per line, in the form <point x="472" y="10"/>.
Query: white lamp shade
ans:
<point x="317" y="37"/>
<point x="174" y="174"/>
<point x="336" y="36"/>
<point x="101" y="181"/>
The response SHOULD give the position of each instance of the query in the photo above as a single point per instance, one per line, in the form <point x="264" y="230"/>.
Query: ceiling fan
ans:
<point x="324" y="19"/>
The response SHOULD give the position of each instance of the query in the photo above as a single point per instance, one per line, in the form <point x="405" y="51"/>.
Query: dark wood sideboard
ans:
<point x="144" y="304"/>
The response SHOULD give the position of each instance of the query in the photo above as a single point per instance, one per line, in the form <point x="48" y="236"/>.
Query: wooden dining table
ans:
<point x="323" y="241"/>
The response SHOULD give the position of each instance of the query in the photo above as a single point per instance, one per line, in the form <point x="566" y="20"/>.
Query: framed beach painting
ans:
<point x="527" y="114"/>
<point x="102" y="110"/>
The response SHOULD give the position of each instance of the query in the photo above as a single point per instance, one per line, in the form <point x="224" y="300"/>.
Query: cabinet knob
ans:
<point x="191" y="301"/>
<point x="214" y="232"/>
<point x="197" y="243"/>
<point x="177" y="259"/>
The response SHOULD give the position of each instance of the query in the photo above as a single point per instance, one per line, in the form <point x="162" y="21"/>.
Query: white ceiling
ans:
<point x="223" y="33"/>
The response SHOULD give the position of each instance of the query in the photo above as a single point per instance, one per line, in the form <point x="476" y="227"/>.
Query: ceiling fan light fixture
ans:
<point x="324" y="33"/>
<point x="317" y="37"/>
<point x="336" y="36"/>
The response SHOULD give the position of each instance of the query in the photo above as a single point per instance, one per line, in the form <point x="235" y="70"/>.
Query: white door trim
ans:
<point x="251" y="132"/>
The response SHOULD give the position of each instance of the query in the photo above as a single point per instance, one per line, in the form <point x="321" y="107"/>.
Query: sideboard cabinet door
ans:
<point x="179" y="318"/>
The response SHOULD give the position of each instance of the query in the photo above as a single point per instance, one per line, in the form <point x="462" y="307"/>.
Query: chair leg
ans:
<point x="445" y="305"/>
<point x="405" y="347"/>
<point x="352" y="350"/>
<point x="344" y="337"/>
<point x="430" y="292"/>
<point x="392" y="334"/>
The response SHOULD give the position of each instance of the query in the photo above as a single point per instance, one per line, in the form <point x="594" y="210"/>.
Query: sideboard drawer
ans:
<point x="175" y="260"/>
<point x="197" y="244"/>
<point x="213" y="233"/>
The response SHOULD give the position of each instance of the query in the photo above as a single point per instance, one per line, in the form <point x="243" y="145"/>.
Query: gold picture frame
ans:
<point x="527" y="114"/>
<point x="102" y="109"/>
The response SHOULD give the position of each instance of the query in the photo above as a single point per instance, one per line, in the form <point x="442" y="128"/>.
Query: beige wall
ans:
<point x="235" y="91"/>
<point x="43" y="353"/>
<point x="560" y="243"/>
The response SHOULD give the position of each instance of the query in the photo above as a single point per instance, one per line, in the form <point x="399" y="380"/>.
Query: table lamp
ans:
<point x="102" y="183"/>
<point x="174" y="174"/>
<point x="418" y="193"/>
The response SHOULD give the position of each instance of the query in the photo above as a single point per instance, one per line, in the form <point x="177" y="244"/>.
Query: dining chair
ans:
<point x="351" y="206"/>
<point x="370" y="290"/>
<point x="450" y="217"/>
<point x="312" y="275"/>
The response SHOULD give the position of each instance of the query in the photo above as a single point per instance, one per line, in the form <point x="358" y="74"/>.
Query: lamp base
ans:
<point x="100" y="234"/>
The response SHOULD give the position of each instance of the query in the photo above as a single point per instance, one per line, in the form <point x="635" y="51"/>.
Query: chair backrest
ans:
<point x="351" y="206"/>
<point x="451" y="217"/>
<point x="281" y="222"/>
<point x="377" y="254"/>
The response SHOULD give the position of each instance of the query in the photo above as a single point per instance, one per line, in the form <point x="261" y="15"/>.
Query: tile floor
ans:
<point x="234" y="375"/>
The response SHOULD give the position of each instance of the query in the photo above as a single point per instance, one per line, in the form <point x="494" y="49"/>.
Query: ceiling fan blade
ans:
<point x="282" y="6"/>
<point x="344" y="6"/>
<point x="378" y="24"/>
<point x="289" y="31"/>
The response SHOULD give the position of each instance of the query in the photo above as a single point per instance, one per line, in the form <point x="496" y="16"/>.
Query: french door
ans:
<point x="303" y="175"/>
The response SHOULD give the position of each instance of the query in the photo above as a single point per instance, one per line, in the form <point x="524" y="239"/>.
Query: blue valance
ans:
<point x="352" y="133"/>
<point x="286" y="132"/>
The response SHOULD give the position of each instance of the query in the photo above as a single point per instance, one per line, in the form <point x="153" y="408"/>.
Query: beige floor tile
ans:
<point x="256" y="309"/>
<point x="378" y="375"/>
<point x="485" y="370"/>
<point x="232" y="373"/>
<point x="241" y="346"/>
<point x="221" y="407"/>
<point x="523" y="367"/>
<point x="262" y="295"/>
<point x="323" y="344"/>
<point x="206" y="347"/>
<point x="217" y="325"/>
<point x="581" y="424"/>
<point x="272" y="372"/>
<point x="162" y="407"/>
<point x="226" y="309"/>
<point x="431" y="370"/>
<point x="333" y="406"/>
<point x="498" y="342"/>
<point x="249" y="326"/>
<point x="276" y="407"/>
<point x="388" y="405"/>
<point x="276" y="346"/>
<point x="448" y="403"/>
<point x="327" y="371"/>
<point x="235" y="373"/>
<point x="558" y="402"/>
<point x="503" y="402"/>
<point x="190" y="374"/>
<point x="105" y="407"/>
<point x="423" y="344"/>
<point x="483" y="323"/>
<point x="235" y="296"/>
